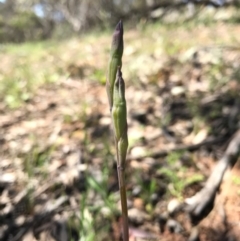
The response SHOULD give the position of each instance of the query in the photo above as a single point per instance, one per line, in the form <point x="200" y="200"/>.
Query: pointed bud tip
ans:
<point x="119" y="26"/>
<point x="117" y="41"/>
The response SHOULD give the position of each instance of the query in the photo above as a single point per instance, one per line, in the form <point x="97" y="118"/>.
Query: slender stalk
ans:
<point x="115" y="87"/>
<point x="123" y="195"/>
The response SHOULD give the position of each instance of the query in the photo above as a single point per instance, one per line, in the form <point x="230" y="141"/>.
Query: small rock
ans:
<point x="173" y="206"/>
<point x="137" y="216"/>
<point x="138" y="151"/>
<point x="200" y="136"/>
<point x="105" y="121"/>
<point x="29" y="237"/>
<point x="177" y="90"/>
<point x="138" y="203"/>
<point x="136" y="191"/>
<point x="174" y="226"/>
<point x="8" y="178"/>
<point x="154" y="198"/>
<point x="106" y="211"/>
<point x="20" y="220"/>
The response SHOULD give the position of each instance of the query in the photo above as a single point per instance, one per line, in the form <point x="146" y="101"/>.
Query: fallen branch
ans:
<point x="201" y="204"/>
<point x="182" y="147"/>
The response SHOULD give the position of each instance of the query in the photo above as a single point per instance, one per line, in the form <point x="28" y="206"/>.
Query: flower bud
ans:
<point x="115" y="60"/>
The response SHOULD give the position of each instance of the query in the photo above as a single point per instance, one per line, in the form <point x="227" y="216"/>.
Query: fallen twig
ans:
<point x="182" y="147"/>
<point x="201" y="204"/>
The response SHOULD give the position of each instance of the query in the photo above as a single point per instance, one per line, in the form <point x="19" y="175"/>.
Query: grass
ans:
<point x="91" y="212"/>
<point x="177" y="175"/>
<point x="27" y="67"/>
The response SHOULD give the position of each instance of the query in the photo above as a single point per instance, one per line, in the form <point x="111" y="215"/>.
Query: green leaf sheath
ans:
<point x="112" y="71"/>
<point x="115" y="60"/>
<point x="119" y="116"/>
<point x="122" y="150"/>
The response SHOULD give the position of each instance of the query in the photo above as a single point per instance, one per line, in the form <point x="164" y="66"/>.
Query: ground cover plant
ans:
<point x="58" y="179"/>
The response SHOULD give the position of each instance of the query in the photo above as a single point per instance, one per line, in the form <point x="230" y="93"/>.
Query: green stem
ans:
<point x="123" y="195"/>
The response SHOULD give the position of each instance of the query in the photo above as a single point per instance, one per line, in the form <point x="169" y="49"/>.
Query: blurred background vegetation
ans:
<point x="32" y="20"/>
